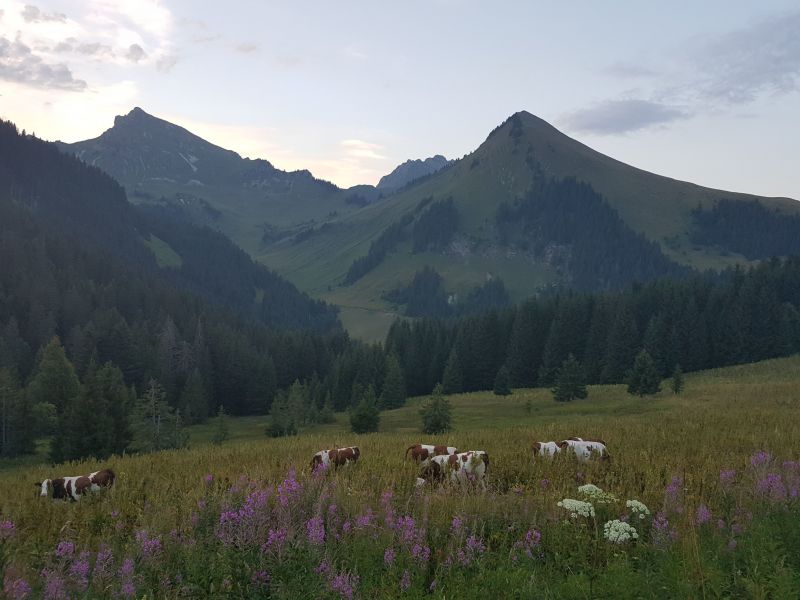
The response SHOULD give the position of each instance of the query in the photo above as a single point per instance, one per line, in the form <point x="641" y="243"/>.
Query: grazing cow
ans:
<point x="72" y="488"/>
<point x="545" y="449"/>
<point x="462" y="467"/>
<point x="585" y="449"/>
<point x="422" y="453"/>
<point x="335" y="457"/>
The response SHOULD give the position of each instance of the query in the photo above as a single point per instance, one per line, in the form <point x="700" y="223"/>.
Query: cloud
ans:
<point x="247" y="48"/>
<point x="362" y="149"/>
<point x="135" y="53"/>
<point x="19" y="64"/>
<point x="739" y="66"/>
<point x="622" y="116"/>
<point x="166" y="62"/>
<point x="32" y="14"/>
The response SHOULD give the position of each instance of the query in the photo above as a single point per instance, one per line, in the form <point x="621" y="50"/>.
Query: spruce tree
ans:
<point x="644" y="378"/>
<point x="17" y="424"/>
<point x="55" y="380"/>
<point x="221" y="429"/>
<point x="156" y="426"/>
<point x="393" y="394"/>
<point x="436" y="413"/>
<point x="452" y="380"/>
<point x="365" y="417"/>
<point x="281" y="419"/>
<point x="676" y="383"/>
<point x="570" y="382"/>
<point x="194" y="401"/>
<point x="326" y="415"/>
<point x="501" y="382"/>
<point x="621" y="346"/>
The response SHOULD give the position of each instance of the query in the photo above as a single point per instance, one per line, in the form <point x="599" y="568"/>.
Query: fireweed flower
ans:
<point x="405" y="581"/>
<point x="65" y="549"/>
<point x="315" y="531"/>
<point x="529" y="542"/>
<point x="760" y="458"/>
<point x="365" y="520"/>
<point x="126" y="570"/>
<point x="260" y="578"/>
<point x="726" y="477"/>
<point x="637" y="509"/>
<point x="7" y="530"/>
<point x="344" y="584"/>
<point x="103" y="562"/>
<point x="289" y="490"/>
<point x="577" y="508"/>
<point x="772" y="487"/>
<point x="703" y="515"/>
<point x="618" y="532"/>
<point x="455" y="526"/>
<point x="148" y="546"/>
<point x="208" y="479"/>
<point x="16" y="589"/>
<point x="79" y="571"/>
<point x="389" y="556"/>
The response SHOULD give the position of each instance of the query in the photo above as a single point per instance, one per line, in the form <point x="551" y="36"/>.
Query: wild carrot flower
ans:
<point x="577" y="508"/>
<point x="618" y="532"/>
<point x="637" y="509"/>
<point x="595" y="494"/>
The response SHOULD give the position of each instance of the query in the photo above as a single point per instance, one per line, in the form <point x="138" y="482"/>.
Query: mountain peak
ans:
<point x="412" y="170"/>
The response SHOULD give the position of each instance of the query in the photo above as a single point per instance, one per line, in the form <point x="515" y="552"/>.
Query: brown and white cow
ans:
<point x="73" y="487"/>
<point x="422" y="453"/>
<point x="463" y="467"/>
<point x="545" y="449"/>
<point x="336" y="457"/>
<point x="585" y="449"/>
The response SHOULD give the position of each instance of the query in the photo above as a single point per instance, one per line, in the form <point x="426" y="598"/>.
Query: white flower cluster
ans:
<point x="619" y="532"/>
<point x="577" y="508"/>
<point x="637" y="508"/>
<point x="595" y="494"/>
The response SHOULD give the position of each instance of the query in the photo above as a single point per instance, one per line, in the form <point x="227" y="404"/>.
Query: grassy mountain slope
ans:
<point x="164" y="164"/>
<point x="520" y="152"/>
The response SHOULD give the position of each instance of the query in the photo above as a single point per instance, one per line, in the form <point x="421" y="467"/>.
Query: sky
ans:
<point x="705" y="92"/>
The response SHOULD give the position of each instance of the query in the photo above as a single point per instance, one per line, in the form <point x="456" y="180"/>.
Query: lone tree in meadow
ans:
<point x="156" y="426"/>
<point x="501" y="383"/>
<point x="644" y="378"/>
<point x="365" y="416"/>
<point x="676" y="383"/>
<point x="570" y="381"/>
<point x="436" y="413"/>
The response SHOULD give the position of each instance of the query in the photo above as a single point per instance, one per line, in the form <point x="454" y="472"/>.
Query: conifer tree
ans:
<point x="17" y="424"/>
<point x="365" y="416"/>
<point x="436" y="413"/>
<point x="393" y="394"/>
<point x="193" y="401"/>
<point x="55" y="380"/>
<point x="501" y="382"/>
<point x="676" y="383"/>
<point x="156" y="426"/>
<point x="621" y="346"/>
<point x="221" y="429"/>
<point x="644" y="378"/>
<point x="326" y="415"/>
<point x="281" y="419"/>
<point x="570" y="382"/>
<point x="452" y="380"/>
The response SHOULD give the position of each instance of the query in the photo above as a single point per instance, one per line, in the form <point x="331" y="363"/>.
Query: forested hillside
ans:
<point x="697" y="323"/>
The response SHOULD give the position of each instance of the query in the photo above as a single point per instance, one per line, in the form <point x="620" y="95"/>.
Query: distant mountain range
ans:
<point x="530" y="207"/>
<point x="410" y="171"/>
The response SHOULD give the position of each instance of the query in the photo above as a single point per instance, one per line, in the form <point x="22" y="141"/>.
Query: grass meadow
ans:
<point x="717" y="468"/>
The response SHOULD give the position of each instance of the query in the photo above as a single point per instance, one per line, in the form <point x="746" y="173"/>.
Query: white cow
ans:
<point x="545" y="449"/>
<point x="585" y="449"/>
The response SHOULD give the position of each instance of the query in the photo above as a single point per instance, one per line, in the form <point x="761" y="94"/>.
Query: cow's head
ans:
<point x="537" y="446"/>
<point x="356" y="452"/>
<point x="431" y="472"/>
<point x="59" y="491"/>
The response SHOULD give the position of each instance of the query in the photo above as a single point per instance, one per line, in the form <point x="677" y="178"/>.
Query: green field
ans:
<point x="183" y="537"/>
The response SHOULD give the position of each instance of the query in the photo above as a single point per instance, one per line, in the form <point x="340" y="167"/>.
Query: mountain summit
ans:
<point x="410" y="171"/>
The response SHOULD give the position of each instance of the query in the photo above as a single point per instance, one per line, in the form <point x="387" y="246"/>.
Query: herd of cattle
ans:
<point x="436" y="464"/>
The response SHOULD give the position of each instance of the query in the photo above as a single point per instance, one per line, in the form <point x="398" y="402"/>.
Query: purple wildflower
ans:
<point x="7" y="530"/>
<point x="475" y="545"/>
<point x="260" y="578"/>
<point x="544" y="484"/>
<point x="344" y="584"/>
<point x="65" y="549"/>
<point x="364" y="520"/>
<point x="405" y="581"/>
<point x="102" y="562"/>
<point x="79" y="571"/>
<point x="289" y="489"/>
<point x="421" y="552"/>
<point x="760" y="458"/>
<point x="405" y="527"/>
<point x="703" y="515"/>
<point x="389" y="556"/>
<point x="149" y="546"/>
<point x="323" y="568"/>
<point x="772" y="487"/>
<point x="208" y="479"/>
<point x="315" y="530"/>
<point x="276" y="539"/>
<point x="54" y="586"/>
<point x="126" y="570"/>
<point x="16" y="589"/>
<point x="663" y="534"/>
<point x="726" y="477"/>
<point x="128" y="590"/>
<point x="456" y="524"/>
<point x="528" y="543"/>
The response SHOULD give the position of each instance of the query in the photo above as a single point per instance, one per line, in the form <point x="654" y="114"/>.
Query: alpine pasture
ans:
<point x="716" y="468"/>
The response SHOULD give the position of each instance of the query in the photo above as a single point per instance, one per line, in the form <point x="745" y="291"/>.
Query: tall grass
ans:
<point x="716" y="467"/>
